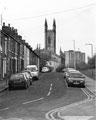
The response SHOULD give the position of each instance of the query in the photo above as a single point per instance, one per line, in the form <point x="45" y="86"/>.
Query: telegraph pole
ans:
<point x="91" y="52"/>
<point x="91" y="48"/>
<point x="74" y="55"/>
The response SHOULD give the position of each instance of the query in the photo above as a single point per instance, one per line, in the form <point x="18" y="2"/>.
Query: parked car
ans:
<point x="45" y="69"/>
<point x="34" y="70"/>
<point x="29" y="76"/>
<point x="18" y="80"/>
<point x="66" y="70"/>
<point x="75" y="78"/>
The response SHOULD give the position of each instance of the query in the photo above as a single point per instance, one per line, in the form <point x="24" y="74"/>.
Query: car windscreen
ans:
<point x="16" y="77"/>
<point x="75" y="75"/>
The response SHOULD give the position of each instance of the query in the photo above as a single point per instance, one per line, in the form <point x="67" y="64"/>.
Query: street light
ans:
<point x="1" y="16"/>
<point x="91" y="52"/>
<point x="91" y="48"/>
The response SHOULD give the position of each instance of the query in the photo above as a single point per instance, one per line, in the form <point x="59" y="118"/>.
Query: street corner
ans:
<point x="85" y="111"/>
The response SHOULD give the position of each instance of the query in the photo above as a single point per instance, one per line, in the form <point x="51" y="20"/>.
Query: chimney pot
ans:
<point x="12" y="28"/>
<point x="8" y="25"/>
<point x="3" y="23"/>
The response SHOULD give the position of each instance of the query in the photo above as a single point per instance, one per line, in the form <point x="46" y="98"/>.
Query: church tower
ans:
<point x="50" y="37"/>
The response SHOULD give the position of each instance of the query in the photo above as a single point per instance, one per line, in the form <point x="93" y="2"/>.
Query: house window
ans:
<point x="9" y="44"/>
<point x="49" y="40"/>
<point x="6" y="47"/>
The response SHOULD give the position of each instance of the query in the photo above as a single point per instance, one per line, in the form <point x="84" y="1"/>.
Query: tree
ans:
<point x="60" y="68"/>
<point x="81" y="66"/>
<point x="91" y="62"/>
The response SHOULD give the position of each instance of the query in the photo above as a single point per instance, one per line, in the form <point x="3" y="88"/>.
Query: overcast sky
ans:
<point x="75" y="20"/>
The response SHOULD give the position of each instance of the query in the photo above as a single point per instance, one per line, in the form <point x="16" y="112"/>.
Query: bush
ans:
<point x="60" y="68"/>
<point x="90" y="73"/>
<point x="82" y="66"/>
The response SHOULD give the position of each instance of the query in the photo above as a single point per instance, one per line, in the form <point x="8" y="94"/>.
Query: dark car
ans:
<point x="75" y="78"/>
<point x="29" y="76"/>
<point x="18" y="80"/>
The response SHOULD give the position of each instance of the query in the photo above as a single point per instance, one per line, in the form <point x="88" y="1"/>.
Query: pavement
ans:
<point x="91" y="84"/>
<point x="3" y="85"/>
<point x="84" y="111"/>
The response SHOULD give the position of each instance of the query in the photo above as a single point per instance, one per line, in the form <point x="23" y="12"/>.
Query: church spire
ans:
<point x="54" y="23"/>
<point x="46" y="25"/>
<point x="54" y="26"/>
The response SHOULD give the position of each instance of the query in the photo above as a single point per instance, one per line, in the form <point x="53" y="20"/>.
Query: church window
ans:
<point x="49" y="40"/>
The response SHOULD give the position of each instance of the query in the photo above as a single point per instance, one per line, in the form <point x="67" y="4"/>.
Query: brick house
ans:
<point x="16" y="53"/>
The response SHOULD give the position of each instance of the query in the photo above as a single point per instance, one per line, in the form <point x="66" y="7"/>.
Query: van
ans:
<point x="34" y="70"/>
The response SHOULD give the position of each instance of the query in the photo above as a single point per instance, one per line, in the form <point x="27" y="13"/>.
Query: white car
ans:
<point x="34" y="70"/>
<point x="45" y="69"/>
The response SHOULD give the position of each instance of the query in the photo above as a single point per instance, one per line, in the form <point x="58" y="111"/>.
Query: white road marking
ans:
<point x="33" y="101"/>
<point x="88" y="95"/>
<point x="50" y="114"/>
<point x="66" y="83"/>
<point x="12" y="119"/>
<point x="94" y="92"/>
<point x="48" y="93"/>
<point x="4" y="109"/>
<point x="77" y="117"/>
<point x="50" y="90"/>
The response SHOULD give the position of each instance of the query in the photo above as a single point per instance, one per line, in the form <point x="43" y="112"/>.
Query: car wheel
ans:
<point x="68" y="85"/>
<point x="10" y="88"/>
<point x="31" y="83"/>
<point x="83" y="86"/>
<point x="26" y="86"/>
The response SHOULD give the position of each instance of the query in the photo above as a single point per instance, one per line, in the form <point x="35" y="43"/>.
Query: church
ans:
<point x="50" y="45"/>
<point x="48" y="53"/>
<point x="50" y="37"/>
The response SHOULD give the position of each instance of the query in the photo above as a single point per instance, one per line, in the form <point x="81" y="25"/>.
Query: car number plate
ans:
<point x="76" y="82"/>
<point x="17" y="81"/>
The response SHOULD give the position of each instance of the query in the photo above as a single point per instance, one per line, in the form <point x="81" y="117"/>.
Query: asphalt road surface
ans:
<point x="48" y="93"/>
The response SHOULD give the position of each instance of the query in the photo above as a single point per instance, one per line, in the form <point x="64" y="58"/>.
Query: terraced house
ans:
<point x="15" y="53"/>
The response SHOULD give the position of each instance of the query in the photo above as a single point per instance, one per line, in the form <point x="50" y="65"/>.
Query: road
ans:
<point x="49" y="93"/>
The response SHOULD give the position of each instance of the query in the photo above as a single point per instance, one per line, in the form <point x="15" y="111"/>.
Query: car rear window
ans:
<point x="16" y="77"/>
<point x="32" y="69"/>
<point x="76" y="75"/>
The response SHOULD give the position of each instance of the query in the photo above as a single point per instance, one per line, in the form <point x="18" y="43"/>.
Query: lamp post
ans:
<point x="91" y="48"/>
<point x="74" y="55"/>
<point x="91" y="52"/>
